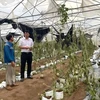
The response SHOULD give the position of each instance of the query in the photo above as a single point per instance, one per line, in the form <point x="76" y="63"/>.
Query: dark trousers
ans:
<point x="26" y="58"/>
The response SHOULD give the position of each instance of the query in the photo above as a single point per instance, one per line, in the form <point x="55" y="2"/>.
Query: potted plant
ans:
<point x="59" y="94"/>
<point x="44" y="97"/>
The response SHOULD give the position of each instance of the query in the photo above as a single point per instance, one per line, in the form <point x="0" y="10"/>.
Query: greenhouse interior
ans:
<point x="65" y="52"/>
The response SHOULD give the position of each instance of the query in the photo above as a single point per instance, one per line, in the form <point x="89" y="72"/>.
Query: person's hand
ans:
<point x="26" y="47"/>
<point x="30" y="48"/>
<point x="13" y="64"/>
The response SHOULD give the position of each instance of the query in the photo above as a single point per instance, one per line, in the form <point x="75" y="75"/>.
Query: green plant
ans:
<point x="63" y="12"/>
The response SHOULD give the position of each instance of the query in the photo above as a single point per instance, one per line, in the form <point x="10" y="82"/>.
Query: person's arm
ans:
<point x="32" y="43"/>
<point x="7" y="53"/>
<point x="24" y="47"/>
<point x="20" y="45"/>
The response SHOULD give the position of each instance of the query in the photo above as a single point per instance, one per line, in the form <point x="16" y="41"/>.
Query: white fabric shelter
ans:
<point x="35" y="13"/>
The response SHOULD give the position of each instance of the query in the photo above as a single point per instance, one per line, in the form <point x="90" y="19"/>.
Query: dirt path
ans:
<point x="31" y="89"/>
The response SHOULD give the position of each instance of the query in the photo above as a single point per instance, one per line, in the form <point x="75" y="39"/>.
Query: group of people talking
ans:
<point x="25" y="44"/>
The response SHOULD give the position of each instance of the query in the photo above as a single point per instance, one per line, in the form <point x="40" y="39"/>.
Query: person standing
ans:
<point x="9" y="60"/>
<point x="26" y="45"/>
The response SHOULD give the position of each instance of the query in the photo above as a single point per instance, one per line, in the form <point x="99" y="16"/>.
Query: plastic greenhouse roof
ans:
<point x="35" y="13"/>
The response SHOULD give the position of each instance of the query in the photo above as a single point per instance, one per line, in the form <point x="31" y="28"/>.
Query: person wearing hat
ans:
<point x="26" y="45"/>
<point x="9" y="60"/>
